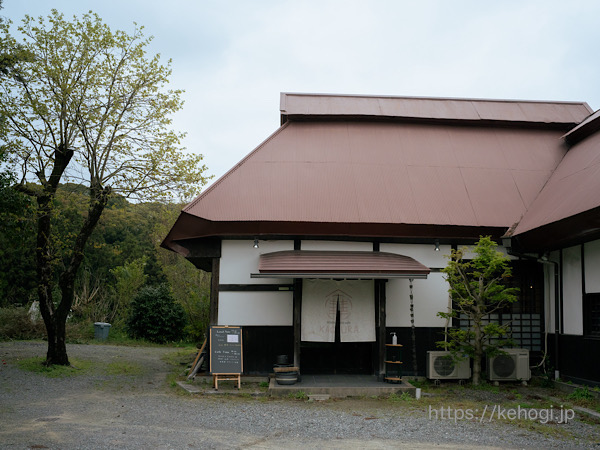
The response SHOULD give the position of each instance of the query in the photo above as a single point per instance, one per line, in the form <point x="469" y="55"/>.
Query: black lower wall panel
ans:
<point x="578" y="358"/>
<point x="262" y="344"/>
<point x="425" y="338"/>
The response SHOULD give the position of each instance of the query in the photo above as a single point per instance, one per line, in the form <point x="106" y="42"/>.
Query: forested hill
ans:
<point x="122" y="255"/>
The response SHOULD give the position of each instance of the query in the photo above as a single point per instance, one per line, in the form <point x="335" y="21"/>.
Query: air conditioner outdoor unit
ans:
<point x="441" y="366"/>
<point x="513" y="365"/>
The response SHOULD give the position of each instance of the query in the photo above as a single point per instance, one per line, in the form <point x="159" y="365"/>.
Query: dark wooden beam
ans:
<point x="297" y="320"/>
<point x="214" y="292"/>
<point x="255" y="287"/>
<point x="382" y="327"/>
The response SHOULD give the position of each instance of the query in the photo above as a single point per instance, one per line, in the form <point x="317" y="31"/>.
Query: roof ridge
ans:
<point x="233" y="169"/>
<point x="461" y="99"/>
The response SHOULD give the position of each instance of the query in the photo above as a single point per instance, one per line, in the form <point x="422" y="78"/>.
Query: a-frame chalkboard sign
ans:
<point x="226" y="355"/>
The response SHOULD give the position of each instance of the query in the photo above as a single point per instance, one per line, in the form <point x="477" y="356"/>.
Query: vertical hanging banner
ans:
<point x="321" y="300"/>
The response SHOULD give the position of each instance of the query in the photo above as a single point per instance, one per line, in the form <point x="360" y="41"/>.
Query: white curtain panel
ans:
<point x="320" y="302"/>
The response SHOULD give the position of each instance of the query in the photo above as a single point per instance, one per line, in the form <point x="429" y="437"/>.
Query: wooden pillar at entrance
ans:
<point x="381" y="339"/>
<point x="213" y="315"/>
<point x="297" y="320"/>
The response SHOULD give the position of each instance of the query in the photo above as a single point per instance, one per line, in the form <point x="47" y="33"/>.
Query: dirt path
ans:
<point x="140" y="410"/>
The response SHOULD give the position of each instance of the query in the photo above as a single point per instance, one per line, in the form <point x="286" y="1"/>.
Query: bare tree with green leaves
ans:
<point x="87" y="105"/>
<point x="478" y="289"/>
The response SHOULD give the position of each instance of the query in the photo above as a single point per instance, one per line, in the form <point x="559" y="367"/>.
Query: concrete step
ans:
<point x="344" y="386"/>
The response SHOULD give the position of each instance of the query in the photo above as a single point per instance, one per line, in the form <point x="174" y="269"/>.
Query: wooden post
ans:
<point x="297" y="320"/>
<point x="382" y="328"/>
<point x="214" y="292"/>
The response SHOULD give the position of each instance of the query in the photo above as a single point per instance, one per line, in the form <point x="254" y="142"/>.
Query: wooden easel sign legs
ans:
<point x="226" y="358"/>
<point x="227" y="377"/>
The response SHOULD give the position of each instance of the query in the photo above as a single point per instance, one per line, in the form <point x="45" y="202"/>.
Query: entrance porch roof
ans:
<point x="338" y="264"/>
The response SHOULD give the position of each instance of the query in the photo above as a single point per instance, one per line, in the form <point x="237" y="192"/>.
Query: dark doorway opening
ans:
<point x="336" y="357"/>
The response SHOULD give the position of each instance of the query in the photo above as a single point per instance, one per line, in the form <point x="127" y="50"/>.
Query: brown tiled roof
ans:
<point x="586" y="128"/>
<point x="423" y="108"/>
<point x="572" y="190"/>
<point x="379" y="172"/>
<point x="337" y="167"/>
<point x="317" y="264"/>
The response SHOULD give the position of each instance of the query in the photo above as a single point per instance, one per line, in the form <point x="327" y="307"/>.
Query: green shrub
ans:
<point x="581" y="393"/>
<point x="16" y="324"/>
<point x="79" y="331"/>
<point x="154" y="315"/>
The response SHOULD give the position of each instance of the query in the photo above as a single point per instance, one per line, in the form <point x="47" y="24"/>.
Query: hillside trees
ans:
<point x="87" y="106"/>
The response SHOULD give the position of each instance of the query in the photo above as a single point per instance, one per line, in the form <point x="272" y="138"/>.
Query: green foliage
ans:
<point x="85" y="104"/>
<point x="37" y="365"/>
<point x="17" y="267"/>
<point x="581" y="393"/>
<point x="478" y="289"/>
<point x="460" y="341"/>
<point x="129" y="278"/>
<point x="95" y="91"/>
<point x="15" y="324"/>
<point x="155" y="315"/>
<point x="127" y="235"/>
<point x="403" y="397"/>
<point x="191" y="287"/>
<point x="298" y="395"/>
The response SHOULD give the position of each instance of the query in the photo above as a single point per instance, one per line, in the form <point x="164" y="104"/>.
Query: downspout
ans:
<point x="557" y="304"/>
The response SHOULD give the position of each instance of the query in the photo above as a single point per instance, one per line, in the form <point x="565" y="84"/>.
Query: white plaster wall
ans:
<point x="256" y="308"/>
<point x="239" y="259"/>
<point x="592" y="267"/>
<point x="342" y="246"/>
<point x="429" y="297"/>
<point x="424" y="253"/>
<point x="572" y="301"/>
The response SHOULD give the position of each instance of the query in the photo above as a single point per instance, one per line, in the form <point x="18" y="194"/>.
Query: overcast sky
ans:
<point x="233" y="58"/>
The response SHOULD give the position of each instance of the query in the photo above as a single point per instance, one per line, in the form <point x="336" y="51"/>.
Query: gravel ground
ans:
<point x="97" y="410"/>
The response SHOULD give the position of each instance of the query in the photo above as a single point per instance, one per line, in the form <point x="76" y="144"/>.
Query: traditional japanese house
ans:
<point x="332" y="233"/>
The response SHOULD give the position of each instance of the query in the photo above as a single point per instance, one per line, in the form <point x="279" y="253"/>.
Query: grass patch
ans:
<point x="484" y="386"/>
<point x="404" y="397"/>
<point x="423" y="383"/>
<point x="36" y="365"/>
<point x="123" y="368"/>
<point x="178" y="360"/>
<point x="581" y="393"/>
<point x="298" y="395"/>
<point x="184" y="356"/>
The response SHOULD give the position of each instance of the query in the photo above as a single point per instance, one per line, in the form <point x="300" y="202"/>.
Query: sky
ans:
<point x="234" y="57"/>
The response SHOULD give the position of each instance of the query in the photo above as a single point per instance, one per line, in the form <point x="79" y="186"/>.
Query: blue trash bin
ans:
<point x="101" y="330"/>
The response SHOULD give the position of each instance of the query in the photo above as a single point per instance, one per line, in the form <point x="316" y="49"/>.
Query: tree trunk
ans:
<point x="477" y="351"/>
<point x="57" y="346"/>
<point x="57" y="352"/>
<point x="55" y="318"/>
